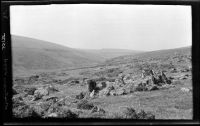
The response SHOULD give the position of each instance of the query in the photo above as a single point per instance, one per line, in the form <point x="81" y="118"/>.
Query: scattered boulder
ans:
<point x="159" y="79"/>
<point x="44" y="91"/>
<point x="75" y="81"/>
<point x="146" y="72"/>
<point x="121" y="79"/>
<point x="164" y="78"/>
<point x="152" y="87"/>
<point x="71" y="82"/>
<point x="97" y="109"/>
<point x="183" y="78"/>
<point x="184" y="89"/>
<point x="30" y="90"/>
<point x="103" y="85"/>
<point x="120" y="91"/>
<point x="173" y="70"/>
<point x="101" y="111"/>
<point x="126" y="78"/>
<point x="185" y="70"/>
<point x="129" y="81"/>
<point x="141" y="87"/>
<point x="81" y="95"/>
<point x="17" y="101"/>
<point x="143" y="75"/>
<point x="94" y="109"/>
<point x="91" y="85"/>
<point x="53" y="108"/>
<point x="60" y="112"/>
<point x="53" y="115"/>
<point x="166" y="86"/>
<point x="24" y="111"/>
<point x="186" y="76"/>
<point x="44" y="105"/>
<point x="87" y="96"/>
<point x="54" y="99"/>
<point x="92" y="94"/>
<point x="67" y="101"/>
<point x="155" y="79"/>
<point x="51" y="89"/>
<point x="110" y="84"/>
<point x="104" y="92"/>
<point x="30" y="97"/>
<point x="14" y="92"/>
<point x="130" y="88"/>
<point x="171" y="78"/>
<point x="100" y="86"/>
<point x="37" y="97"/>
<point x="113" y="93"/>
<point x="33" y="79"/>
<point x="111" y="87"/>
<point x="40" y="92"/>
<point x="61" y="102"/>
<point x="39" y="110"/>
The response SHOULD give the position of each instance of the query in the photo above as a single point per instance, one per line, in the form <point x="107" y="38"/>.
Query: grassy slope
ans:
<point x="33" y="54"/>
<point x="154" y="55"/>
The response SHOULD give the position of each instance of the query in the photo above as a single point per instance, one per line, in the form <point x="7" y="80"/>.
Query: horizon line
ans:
<point x="98" y="48"/>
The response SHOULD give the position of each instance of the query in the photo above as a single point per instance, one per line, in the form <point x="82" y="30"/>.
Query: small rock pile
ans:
<point x="43" y="91"/>
<point x="152" y="81"/>
<point x="125" y="84"/>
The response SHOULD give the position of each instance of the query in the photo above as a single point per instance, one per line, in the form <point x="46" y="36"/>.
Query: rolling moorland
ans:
<point x="49" y="82"/>
<point x="33" y="54"/>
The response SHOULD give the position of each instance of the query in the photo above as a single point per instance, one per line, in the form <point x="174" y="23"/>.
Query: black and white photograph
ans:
<point x="102" y="61"/>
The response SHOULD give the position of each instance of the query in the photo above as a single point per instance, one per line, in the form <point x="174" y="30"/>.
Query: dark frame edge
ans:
<point x="6" y="62"/>
<point x="195" y="60"/>
<point x="45" y="2"/>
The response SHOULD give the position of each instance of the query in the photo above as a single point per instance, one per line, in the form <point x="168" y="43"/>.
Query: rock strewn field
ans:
<point x="155" y="87"/>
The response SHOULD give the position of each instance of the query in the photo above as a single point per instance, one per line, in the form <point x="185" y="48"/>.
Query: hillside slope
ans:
<point x="37" y="54"/>
<point x="34" y="54"/>
<point x="174" y="55"/>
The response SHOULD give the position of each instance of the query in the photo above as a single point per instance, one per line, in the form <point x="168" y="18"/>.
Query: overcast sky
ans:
<point x="97" y="26"/>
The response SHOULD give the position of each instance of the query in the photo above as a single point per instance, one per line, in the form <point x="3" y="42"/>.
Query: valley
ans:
<point x="52" y="81"/>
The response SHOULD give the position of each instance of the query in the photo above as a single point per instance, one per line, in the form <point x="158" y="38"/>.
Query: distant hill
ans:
<point x="34" y="54"/>
<point x="112" y="53"/>
<point x="154" y="55"/>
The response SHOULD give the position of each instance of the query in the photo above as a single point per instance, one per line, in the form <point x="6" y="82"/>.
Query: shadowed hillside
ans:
<point x="33" y="54"/>
<point x="36" y="54"/>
